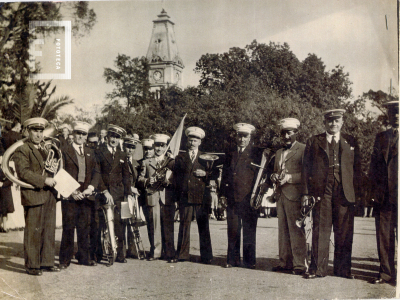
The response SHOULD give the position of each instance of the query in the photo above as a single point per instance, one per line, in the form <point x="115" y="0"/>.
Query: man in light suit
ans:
<point x="287" y="178"/>
<point x="156" y="201"/>
<point x="39" y="203"/>
<point x="80" y="162"/>
<point x="331" y="174"/>
<point x="238" y="179"/>
<point x="384" y="171"/>
<point x="116" y="182"/>
<point x="190" y="180"/>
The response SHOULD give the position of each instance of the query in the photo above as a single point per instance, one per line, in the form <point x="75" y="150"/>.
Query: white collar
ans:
<point x="76" y="147"/>
<point x="329" y="137"/>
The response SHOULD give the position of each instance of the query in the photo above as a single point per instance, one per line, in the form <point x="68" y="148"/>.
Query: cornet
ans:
<point x="306" y="210"/>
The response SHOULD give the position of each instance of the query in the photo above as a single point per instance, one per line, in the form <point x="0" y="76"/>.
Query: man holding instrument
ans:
<point x="331" y="174"/>
<point x="287" y="178"/>
<point x="115" y="183"/>
<point x="159" y="206"/>
<point x="238" y="180"/>
<point x="39" y="203"/>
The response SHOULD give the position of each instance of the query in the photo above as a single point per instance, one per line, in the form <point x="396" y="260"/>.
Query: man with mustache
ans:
<point x="331" y="174"/>
<point x="287" y="178"/>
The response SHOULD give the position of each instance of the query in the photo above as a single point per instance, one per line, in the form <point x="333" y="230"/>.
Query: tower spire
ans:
<point x="164" y="59"/>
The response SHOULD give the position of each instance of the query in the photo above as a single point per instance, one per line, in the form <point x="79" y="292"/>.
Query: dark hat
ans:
<point x="334" y="113"/>
<point x="131" y="141"/>
<point x="116" y="129"/>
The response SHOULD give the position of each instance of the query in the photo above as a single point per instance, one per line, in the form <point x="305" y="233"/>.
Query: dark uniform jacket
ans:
<point x="239" y="175"/>
<point x="186" y="184"/>
<point x="92" y="169"/>
<point x="384" y="169"/>
<point x="316" y="166"/>
<point x="29" y="165"/>
<point x="115" y="173"/>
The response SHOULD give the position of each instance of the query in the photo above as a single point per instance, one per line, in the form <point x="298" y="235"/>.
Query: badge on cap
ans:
<point x="334" y="113"/>
<point x="116" y="129"/>
<point x="244" y="127"/>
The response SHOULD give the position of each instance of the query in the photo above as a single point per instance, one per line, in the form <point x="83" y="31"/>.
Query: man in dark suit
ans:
<point x="190" y="179"/>
<point x="331" y="174"/>
<point x="287" y="179"/>
<point x="159" y="205"/>
<point x="238" y="179"/>
<point x="39" y="203"/>
<point x="115" y="183"/>
<point x="384" y="171"/>
<point x="80" y="162"/>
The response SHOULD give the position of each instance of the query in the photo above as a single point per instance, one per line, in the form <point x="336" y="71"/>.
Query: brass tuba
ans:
<point x="53" y="161"/>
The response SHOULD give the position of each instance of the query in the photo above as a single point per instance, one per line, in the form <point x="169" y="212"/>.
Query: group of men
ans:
<point x="325" y="171"/>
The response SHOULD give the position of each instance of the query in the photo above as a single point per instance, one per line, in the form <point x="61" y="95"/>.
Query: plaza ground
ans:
<point x="192" y="280"/>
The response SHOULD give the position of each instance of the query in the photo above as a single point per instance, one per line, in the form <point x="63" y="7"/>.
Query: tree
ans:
<point x="130" y="80"/>
<point x="15" y="36"/>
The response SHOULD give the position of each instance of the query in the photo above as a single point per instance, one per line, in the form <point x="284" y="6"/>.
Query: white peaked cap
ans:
<point x="244" y="127"/>
<point x="195" y="131"/>
<point x="160" y="138"/>
<point x="82" y="126"/>
<point x="148" y="143"/>
<point x="289" y="123"/>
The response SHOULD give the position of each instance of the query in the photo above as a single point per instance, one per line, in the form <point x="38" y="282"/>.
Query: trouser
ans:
<point x="241" y="215"/>
<point x="152" y="215"/>
<point x="75" y="213"/>
<point x="334" y="210"/>
<point x="94" y="227"/>
<point x="186" y="212"/>
<point x="39" y="233"/>
<point x="292" y="239"/>
<point x="167" y="230"/>
<point x="386" y="235"/>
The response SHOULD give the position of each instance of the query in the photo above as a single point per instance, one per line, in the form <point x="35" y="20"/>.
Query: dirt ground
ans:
<point x="192" y="280"/>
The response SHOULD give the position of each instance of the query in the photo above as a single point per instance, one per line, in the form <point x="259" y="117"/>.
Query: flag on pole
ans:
<point x="175" y="142"/>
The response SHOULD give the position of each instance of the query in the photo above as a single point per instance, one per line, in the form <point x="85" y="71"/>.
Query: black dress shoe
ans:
<point x="228" y="266"/>
<point x="36" y="272"/>
<point x="63" y="266"/>
<point x="298" y="272"/>
<point x="250" y="266"/>
<point x="51" y="269"/>
<point x="280" y="269"/>
<point x="121" y="260"/>
<point x="378" y="281"/>
<point x="207" y="262"/>
<point x="172" y="260"/>
<point x="152" y="259"/>
<point x="90" y="263"/>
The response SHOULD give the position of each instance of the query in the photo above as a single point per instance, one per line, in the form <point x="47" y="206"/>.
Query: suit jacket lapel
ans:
<point x="323" y="143"/>
<point x="37" y="154"/>
<point x="117" y="158"/>
<point x="344" y="147"/>
<point x="292" y="152"/>
<point x="107" y="155"/>
<point x="71" y="153"/>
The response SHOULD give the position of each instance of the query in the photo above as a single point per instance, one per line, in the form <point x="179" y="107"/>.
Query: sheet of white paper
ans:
<point x="66" y="184"/>
<point x="125" y="211"/>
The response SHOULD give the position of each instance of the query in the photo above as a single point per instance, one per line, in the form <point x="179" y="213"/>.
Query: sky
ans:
<point x="350" y="33"/>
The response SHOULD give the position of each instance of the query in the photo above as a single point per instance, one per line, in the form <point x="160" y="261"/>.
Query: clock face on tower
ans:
<point x="157" y="75"/>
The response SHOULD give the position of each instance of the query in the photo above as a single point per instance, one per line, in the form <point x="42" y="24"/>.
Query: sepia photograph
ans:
<point x="182" y="149"/>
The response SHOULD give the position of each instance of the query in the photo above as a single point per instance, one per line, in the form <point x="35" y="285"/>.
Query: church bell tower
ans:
<point x="165" y="63"/>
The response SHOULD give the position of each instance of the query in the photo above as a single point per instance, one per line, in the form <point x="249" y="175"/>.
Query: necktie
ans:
<point x="113" y="152"/>
<point x="192" y="156"/>
<point x="333" y="142"/>
<point x="80" y="150"/>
